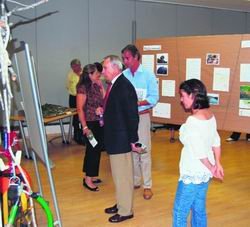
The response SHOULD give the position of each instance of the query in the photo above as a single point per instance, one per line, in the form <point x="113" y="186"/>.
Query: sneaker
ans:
<point x="248" y="139"/>
<point x="230" y="139"/>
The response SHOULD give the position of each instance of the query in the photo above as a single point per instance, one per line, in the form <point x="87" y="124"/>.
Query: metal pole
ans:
<point x="37" y="173"/>
<point x="62" y="131"/>
<point x="24" y="139"/>
<point x="70" y="129"/>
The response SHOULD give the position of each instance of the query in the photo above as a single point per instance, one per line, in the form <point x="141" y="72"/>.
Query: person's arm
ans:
<point x="143" y="103"/>
<point x="209" y="165"/>
<point x="219" y="173"/>
<point x="152" y="92"/>
<point x="80" y="103"/>
<point x="217" y="169"/>
<point x="67" y="83"/>
<point x="132" y="117"/>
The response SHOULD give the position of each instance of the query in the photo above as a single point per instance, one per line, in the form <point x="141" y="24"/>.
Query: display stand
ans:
<point x="216" y="55"/>
<point x="34" y="118"/>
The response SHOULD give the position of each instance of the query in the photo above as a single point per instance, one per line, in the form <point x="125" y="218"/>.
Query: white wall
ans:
<point x="92" y="29"/>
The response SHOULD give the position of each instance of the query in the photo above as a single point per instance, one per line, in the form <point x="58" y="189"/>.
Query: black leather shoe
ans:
<point x="111" y="210"/>
<point x="118" y="218"/>
<point x="96" y="189"/>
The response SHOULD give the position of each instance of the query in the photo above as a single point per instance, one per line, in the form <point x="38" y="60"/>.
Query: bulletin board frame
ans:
<point x="231" y="52"/>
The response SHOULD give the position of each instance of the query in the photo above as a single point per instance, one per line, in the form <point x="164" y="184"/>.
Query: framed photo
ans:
<point x="162" y="70"/>
<point x="213" y="59"/>
<point x="162" y="58"/>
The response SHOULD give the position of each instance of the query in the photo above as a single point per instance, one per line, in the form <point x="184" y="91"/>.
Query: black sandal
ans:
<point x="97" y="181"/>
<point x="96" y="189"/>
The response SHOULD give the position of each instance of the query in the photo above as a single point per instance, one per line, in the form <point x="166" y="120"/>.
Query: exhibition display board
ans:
<point x="222" y="62"/>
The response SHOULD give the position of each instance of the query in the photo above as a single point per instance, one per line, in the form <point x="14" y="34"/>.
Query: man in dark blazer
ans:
<point x="120" y="135"/>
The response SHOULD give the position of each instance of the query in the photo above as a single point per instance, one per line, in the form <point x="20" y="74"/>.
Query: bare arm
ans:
<point x="219" y="173"/>
<point x="216" y="169"/>
<point x="80" y="103"/>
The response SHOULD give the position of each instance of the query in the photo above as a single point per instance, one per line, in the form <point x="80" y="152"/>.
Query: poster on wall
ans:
<point x="162" y="110"/>
<point x="148" y="62"/>
<point x="162" y="70"/>
<point x="244" y="97"/>
<point x="244" y="112"/>
<point x="162" y="64"/>
<point x="221" y="79"/>
<point x="162" y="58"/>
<point x="212" y="59"/>
<point x="214" y="99"/>
<point x="193" y="68"/>
<point x="168" y="88"/>
<point x="151" y="47"/>
<point x="244" y="72"/>
<point x="245" y="44"/>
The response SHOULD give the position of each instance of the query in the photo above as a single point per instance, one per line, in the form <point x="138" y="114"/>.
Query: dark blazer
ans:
<point x="121" y="117"/>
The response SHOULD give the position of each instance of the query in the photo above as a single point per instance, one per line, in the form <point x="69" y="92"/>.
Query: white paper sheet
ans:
<point x="244" y="113"/>
<point x="214" y="99"/>
<point x="141" y="93"/>
<point x="193" y="68"/>
<point x="221" y="79"/>
<point x="168" y="88"/>
<point x="162" y="110"/>
<point x="245" y="44"/>
<point x="148" y="62"/>
<point x="151" y="47"/>
<point x="244" y="72"/>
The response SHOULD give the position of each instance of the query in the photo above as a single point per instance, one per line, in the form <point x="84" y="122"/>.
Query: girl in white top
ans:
<point x="200" y="156"/>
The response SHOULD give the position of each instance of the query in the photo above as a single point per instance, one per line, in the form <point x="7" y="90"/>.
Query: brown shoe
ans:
<point x="147" y="193"/>
<point x="137" y="186"/>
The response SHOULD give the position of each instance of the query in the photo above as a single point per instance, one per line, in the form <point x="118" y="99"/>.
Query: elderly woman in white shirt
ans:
<point x="200" y="156"/>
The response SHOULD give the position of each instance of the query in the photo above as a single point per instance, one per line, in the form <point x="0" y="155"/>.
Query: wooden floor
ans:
<point x="228" y="203"/>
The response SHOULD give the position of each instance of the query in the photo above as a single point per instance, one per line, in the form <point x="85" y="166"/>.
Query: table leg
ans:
<point x="70" y="129"/>
<point x="62" y="131"/>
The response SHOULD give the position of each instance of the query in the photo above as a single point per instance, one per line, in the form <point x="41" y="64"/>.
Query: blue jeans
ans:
<point x="190" y="197"/>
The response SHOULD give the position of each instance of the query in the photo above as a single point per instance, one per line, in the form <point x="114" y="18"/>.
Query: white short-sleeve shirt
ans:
<point x="198" y="137"/>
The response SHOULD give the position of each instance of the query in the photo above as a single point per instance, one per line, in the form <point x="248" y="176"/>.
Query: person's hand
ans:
<point x="213" y="169"/>
<point x="219" y="172"/>
<point x="136" y="149"/>
<point x="86" y="130"/>
<point x="99" y="111"/>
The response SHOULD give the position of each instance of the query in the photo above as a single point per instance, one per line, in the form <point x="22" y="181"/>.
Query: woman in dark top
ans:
<point x="90" y="94"/>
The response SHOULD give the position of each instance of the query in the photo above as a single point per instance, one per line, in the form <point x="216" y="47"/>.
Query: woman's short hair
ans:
<point x="198" y="90"/>
<point x="75" y="62"/>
